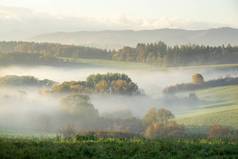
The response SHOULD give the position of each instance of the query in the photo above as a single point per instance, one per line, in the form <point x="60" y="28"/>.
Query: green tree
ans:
<point x="79" y="105"/>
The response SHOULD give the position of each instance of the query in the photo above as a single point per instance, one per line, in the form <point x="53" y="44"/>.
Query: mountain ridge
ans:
<point x="115" y="39"/>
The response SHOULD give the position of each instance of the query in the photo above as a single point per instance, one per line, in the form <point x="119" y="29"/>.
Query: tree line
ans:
<point x="183" y="87"/>
<point x="183" y="55"/>
<point x="13" y="80"/>
<point x="53" y="49"/>
<point x="153" y="53"/>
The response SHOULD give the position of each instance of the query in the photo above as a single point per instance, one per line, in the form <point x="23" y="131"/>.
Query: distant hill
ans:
<point x="118" y="39"/>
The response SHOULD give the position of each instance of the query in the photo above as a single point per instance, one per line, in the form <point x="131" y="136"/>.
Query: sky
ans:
<point x="43" y="16"/>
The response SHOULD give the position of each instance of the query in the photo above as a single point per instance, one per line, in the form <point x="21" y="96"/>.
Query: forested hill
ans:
<point x="153" y="53"/>
<point x="118" y="39"/>
<point x="53" y="49"/>
<point x="182" y="55"/>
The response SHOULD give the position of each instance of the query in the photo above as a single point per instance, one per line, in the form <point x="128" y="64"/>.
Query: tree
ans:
<point x="159" y="125"/>
<point x="171" y="129"/>
<point x="164" y="116"/>
<point x="119" y="86"/>
<point x="151" y="116"/>
<point x="102" y="86"/>
<point x="161" y="116"/>
<point x="79" y="105"/>
<point x="152" y="130"/>
<point x="197" y="78"/>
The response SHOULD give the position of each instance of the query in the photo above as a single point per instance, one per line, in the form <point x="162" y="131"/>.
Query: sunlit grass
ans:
<point x="112" y="63"/>
<point x="222" y="110"/>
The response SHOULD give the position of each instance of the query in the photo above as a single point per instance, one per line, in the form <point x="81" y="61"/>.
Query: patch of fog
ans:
<point x="25" y="108"/>
<point x="139" y="105"/>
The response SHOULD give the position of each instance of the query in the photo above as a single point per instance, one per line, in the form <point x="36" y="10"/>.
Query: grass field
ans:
<point x="136" y="65"/>
<point x="111" y="63"/>
<point x="222" y="108"/>
<point x="20" y="148"/>
<point x="218" y="66"/>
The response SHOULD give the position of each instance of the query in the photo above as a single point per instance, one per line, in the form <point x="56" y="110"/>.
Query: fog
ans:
<point x="25" y="109"/>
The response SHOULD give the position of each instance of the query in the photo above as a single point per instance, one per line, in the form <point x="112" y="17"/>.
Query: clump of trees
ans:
<point x="110" y="83"/>
<point x="79" y="112"/>
<point x="53" y="50"/>
<point x="159" y="124"/>
<point x="12" y="80"/>
<point x="31" y="59"/>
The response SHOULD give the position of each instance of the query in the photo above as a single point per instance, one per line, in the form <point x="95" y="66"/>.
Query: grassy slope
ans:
<point x="223" y="108"/>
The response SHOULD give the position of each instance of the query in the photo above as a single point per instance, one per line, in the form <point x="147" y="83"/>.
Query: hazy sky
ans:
<point x="72" y="15"/>
<point x="199" y="10"/>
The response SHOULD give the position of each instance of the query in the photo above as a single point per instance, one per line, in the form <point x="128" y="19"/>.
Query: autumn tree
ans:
<point x="151" y="116"/>
<point x="159" y="124"/>
<point x="102" y="86"/>
<point x="197" y="78"/>
<point x="164" y="115"/>
<point x="161" y="116"/>
<point x="158" y="130"/>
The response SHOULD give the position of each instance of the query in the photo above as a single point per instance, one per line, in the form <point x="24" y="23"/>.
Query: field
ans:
<point x="116" y="148"/>
<point x="223" y="108"/>
<point x="110" y="63"/>
<point x="219" y="66"/>
<point x="136" y="65"/>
